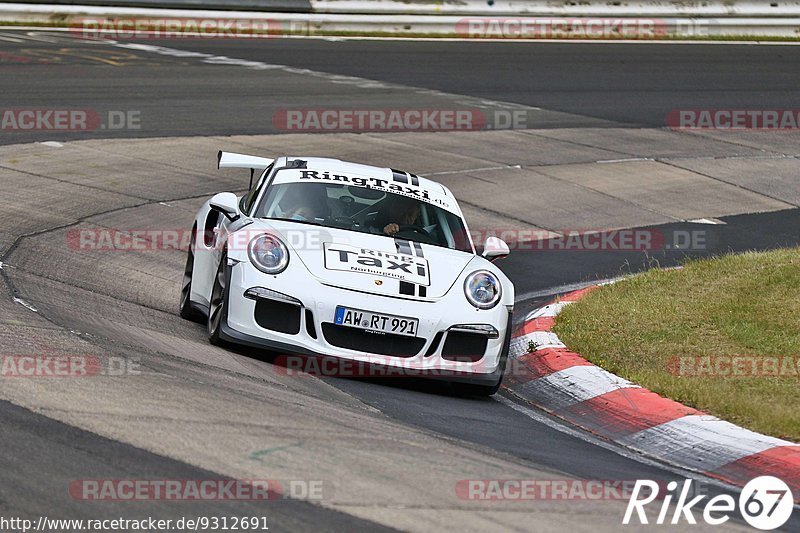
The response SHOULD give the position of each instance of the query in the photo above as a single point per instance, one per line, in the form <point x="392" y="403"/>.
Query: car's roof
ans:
<point x="337" y="165"/>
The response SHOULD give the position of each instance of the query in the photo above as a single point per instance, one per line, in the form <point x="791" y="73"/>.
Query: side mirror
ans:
<point x="495" y="248"/>
<point x="225" y="203"/>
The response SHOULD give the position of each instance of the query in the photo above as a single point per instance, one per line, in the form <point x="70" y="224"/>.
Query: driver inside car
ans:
<point x="308" y="207"/>
<point x="301" y="213"/>
<point x="399" y="212"/>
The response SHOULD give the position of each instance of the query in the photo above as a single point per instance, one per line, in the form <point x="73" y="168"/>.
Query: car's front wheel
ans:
<point x="472" y="389"/>
<point x="217" y="308"/>
<point x="186" y="309"/>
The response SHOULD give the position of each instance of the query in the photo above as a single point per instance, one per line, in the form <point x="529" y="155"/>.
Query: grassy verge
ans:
<point x="665" y="330"/>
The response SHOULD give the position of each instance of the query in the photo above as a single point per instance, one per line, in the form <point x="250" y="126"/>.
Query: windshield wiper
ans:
<point x="309" y="222"/>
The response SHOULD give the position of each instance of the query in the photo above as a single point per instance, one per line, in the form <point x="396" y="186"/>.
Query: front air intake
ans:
<point x="464" y="347"/>
<point x="278" y="316"/>
<point x="372" y="343"/>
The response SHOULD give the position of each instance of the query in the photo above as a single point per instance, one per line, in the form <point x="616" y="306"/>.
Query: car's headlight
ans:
<point x="268" y="254"/>
<point x="483" y="289"/>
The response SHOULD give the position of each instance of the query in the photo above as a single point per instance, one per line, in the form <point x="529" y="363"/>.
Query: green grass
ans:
<point x="746" y="304"/>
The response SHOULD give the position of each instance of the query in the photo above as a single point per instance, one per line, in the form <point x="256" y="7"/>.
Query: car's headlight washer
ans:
<point x="483" y="289"/>
<point x="268" y="254"/>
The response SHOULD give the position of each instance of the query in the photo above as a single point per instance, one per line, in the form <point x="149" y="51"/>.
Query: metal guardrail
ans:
<point x="561" y="22"/>
<point x="567" y="8"/>
<point x="281" y="6"/>
<point x="487" y="8"/>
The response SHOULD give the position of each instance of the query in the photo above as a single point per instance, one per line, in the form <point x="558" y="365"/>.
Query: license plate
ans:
<point x="356" y="318"/>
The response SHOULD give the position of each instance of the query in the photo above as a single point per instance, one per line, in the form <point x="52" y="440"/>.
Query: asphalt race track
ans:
<point x="577" y="85"/>
<point x="593" y="153"/>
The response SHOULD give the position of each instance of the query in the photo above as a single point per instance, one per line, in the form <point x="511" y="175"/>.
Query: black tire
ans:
<point x="473" y="389"/>
<point x="218" y="304"/>
<point x="186" y="310"/>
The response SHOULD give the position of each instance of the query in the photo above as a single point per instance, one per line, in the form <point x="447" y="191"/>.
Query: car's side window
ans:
<point x="249" y="199"/>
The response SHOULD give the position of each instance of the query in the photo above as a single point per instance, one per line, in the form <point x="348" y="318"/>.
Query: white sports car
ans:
<point x="372" y="265"/>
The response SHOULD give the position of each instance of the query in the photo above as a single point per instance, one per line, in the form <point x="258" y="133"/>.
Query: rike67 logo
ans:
<point x="765" y="503"/>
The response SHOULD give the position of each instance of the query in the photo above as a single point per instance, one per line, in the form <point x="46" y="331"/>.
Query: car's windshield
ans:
<point x="365" y="210"/>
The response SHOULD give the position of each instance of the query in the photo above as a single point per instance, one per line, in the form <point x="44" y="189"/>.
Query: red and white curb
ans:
<point x="565" y="384"/>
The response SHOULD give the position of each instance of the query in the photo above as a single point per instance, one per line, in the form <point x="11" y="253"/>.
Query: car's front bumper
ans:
<point x="432" y="355"/>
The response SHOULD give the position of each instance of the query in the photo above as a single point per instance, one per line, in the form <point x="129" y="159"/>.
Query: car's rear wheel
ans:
<point x="217" y="308"/>
<point x="186" y="309"/>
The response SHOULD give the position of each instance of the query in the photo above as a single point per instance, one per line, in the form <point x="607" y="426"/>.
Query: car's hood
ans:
<point x="368" y="263"/>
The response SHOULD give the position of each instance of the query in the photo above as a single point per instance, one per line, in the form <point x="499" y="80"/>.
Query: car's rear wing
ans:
<point x="232" y="160"/>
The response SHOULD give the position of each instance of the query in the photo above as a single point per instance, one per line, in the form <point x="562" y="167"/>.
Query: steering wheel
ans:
<point x="347" y="202"/>
<point x="403" y="228"/>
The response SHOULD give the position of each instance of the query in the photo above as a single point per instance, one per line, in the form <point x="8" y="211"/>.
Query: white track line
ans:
<point x="25" y="304"/>
<point x="561" y="289"/>
<point x="10" y="39"/>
